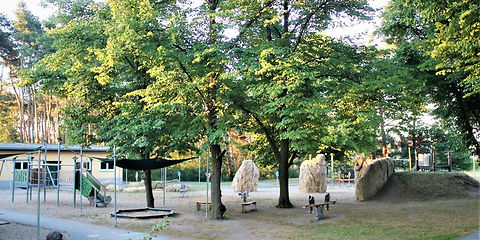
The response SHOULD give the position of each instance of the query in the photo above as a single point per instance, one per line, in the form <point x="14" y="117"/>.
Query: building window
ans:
<point x="106" y="166"/>
<point x="21" y="165"/>
<point x="87" y="166"/>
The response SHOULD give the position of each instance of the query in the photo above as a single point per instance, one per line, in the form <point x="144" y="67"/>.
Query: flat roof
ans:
<point x="50" y="147"/>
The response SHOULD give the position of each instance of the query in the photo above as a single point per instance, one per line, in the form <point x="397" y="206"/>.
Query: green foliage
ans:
<point x="8" y="132"/>
<point x="164" y="223"/>
<point x="267" y="172"/>
<point x="7" y="47"/>
<point x="439" y="39"/>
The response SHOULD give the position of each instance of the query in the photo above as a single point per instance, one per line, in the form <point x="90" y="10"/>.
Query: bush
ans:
<point x="267" y="172"/>
<point x="293" y="172"/>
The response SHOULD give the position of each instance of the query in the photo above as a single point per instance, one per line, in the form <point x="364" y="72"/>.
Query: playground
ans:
<point x="447" y="211"/>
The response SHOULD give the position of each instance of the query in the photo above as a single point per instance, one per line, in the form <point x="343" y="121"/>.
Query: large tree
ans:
<point x="23" y="43"/>
<point x="189" y="70"/>
<point x="143" y="64"/>
<point x="440" y="39"/>
<point x="103" y="84"/>
<point x="287" y="65"/>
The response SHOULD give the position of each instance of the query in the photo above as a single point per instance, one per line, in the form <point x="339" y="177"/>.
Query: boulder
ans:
<point x="175" y="187"/>
<point x="246" y="177"/>
<point x="108" y="182"/>
<point x="134" y="189"/>
<point x="136" y="184"/>
<point x="313" y="175"/>
<point x="109" y="187"/>
<point x="157" y="184"/>
<point x="371" y="176"/>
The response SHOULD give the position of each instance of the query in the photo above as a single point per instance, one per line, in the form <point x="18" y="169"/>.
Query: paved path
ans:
<point x="76" y="230"/>
<point x="475" y="235"/>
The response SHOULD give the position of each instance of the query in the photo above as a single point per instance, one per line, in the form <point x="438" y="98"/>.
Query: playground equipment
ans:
<point x="428" y="162"/>
<point x="141" y="164"/>
<point x="91" y="189"/>
<point x="143" y="213"/>
<point x="34" y="173"/>
<point x="30" y="173"/>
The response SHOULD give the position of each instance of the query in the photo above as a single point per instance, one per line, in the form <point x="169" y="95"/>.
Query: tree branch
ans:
<point x="179" y="48"/>
<point x="220" y="156"/>
<point x="184" y="69"/>
<point x="270" y="139"/>
<point x="254" y="19"/>
<point x="305" y="25"/>
<point x="294" y="155"/>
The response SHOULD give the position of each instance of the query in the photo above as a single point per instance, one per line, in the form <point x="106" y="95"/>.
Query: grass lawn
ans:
<point x="434" y="206"/>
<point x="443" y="219"/>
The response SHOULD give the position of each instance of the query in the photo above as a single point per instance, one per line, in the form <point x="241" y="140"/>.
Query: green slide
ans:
<point x="90" y="187"/>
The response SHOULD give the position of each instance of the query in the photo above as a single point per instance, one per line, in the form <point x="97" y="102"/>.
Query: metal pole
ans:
<point x="81" y="178"/>
<point x="58" y="175"/>
<point x="331" y="168"/>
<point x="449" y="161"/>
<point x="416" y="160"/>
<point x="115" y="183"/>
<point x="207" y="179"/>
<point x="164" y="184"/>
<point x="28" y="174"/>
<point x="13" y="180"/>
<point x="409" y="159"/>
<point x="38" y="198"/>
<point x="199" y="161"/>
<point x="433" y="158"/>
<point x="74" y="181"/>
<point x="45" y="175"/>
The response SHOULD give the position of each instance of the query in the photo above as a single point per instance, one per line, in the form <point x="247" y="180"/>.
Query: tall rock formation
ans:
<point x="313" y="175"/>
<point x="246" y="177"/>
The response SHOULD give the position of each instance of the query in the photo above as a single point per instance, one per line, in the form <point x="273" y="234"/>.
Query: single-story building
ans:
<point x="67" y="155"/>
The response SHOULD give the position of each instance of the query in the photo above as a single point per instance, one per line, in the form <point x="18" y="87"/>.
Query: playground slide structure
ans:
<point x="91" y="189"/>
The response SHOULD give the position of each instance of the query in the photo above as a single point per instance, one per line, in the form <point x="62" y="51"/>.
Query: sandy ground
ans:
<point x="187" y="223"/>
<point x="15" y="231"/>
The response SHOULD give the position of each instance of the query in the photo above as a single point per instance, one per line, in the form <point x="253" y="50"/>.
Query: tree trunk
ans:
<point x="30" y="116"/>
<point x="216" y="194"/>
<point x="147" y="179"/>
<point x="20" y="108"/>
<point x="283" y="166"/>
<point x="37" y="118"/>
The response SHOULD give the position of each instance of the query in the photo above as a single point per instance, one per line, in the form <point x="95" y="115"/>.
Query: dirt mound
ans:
<point x="414" y="186"/>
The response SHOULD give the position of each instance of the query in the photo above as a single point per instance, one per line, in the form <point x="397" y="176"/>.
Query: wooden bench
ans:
<point x="199" y="204"/>
<point x="245" y="204"/>
<point x="344" y="180"/>
<point x="320" y="208"/>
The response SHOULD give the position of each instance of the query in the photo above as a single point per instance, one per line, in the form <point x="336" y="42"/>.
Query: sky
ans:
<point x="363" y="31"/>
<point x="8" y="8"/>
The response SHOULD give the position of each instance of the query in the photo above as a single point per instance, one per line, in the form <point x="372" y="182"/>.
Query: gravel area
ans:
<point x="15" y="231"/>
